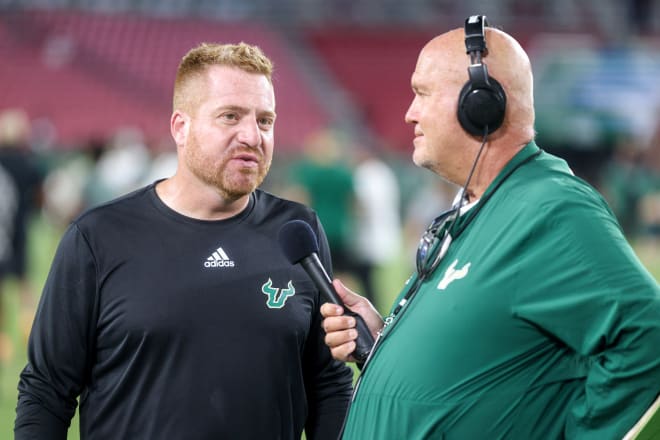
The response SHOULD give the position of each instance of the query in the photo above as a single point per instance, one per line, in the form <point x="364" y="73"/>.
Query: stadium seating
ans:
<point x="91" y="73"/>
<point x="375" y="66"/>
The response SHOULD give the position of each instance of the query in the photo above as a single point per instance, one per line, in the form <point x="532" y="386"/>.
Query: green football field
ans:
<point x="42" y="244"/>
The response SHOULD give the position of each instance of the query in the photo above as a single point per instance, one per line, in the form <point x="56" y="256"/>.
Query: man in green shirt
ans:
<point x="529" y="315"/>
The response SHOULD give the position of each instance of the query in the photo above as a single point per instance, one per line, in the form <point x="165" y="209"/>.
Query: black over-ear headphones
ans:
<point x="482" y="101"/>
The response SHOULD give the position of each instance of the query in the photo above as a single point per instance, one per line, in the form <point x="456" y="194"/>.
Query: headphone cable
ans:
<point x="463" y="194"/>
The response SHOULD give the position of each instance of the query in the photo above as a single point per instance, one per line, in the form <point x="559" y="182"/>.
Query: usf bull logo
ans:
<point x="452" y="274"/>
<point x="277" y="296"/>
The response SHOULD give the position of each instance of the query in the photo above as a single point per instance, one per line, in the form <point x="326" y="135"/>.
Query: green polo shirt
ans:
<point x="539" y="323"/>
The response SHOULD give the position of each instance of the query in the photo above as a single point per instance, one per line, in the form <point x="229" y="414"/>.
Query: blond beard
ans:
<point x="230" y="185"/>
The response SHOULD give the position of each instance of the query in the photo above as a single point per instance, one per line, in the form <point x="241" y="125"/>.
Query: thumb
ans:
<point x="361" y="306"/>
<point x="348" y="297"/>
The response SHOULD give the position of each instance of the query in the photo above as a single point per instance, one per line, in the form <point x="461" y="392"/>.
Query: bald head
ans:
<point x="441" y="143"/>
<point x="507" y="62"/>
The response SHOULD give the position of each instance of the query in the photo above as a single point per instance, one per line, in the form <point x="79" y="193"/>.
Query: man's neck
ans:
<point x="199" y="202"/>
<point x="491" y="163"/>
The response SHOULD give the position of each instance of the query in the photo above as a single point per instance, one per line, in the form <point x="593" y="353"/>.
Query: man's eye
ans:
<point x="229" y="116"/>
<point x="266" y="122"/>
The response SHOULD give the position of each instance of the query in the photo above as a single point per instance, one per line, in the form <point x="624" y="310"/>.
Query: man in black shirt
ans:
<point x="171" y="311"/>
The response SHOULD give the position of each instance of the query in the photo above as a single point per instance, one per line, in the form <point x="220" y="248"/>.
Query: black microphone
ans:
<point x="300" y="245"/>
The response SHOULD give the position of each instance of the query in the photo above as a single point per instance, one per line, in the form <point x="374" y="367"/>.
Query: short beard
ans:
<point x="231" y="186"/>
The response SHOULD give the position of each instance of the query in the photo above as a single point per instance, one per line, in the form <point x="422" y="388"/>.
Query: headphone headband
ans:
<point x="475" y="34"/>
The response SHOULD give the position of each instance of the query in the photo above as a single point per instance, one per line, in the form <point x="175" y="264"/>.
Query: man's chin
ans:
<point x="244" y="186"/>
<point x="417" y="158"/>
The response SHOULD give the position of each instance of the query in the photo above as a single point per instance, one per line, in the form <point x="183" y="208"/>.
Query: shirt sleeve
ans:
<point x="59" y="346"/>
<point x="588" y="290"/>
<point x="328" y="382"/>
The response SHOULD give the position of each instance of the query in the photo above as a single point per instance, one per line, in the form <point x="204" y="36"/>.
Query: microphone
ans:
<point x="300" y="245"/>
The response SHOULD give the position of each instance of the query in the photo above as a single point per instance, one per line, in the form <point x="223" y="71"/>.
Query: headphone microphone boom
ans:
<point x="299" y="245"/>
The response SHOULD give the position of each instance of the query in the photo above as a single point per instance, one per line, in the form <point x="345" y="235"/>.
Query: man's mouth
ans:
<point x="247" y="159"/>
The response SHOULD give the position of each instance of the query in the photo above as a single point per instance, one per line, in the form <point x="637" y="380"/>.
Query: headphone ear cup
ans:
<point x="481" y="106"/>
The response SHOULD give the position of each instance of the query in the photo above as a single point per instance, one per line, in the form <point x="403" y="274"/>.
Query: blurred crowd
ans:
<point x="372" y="202"/>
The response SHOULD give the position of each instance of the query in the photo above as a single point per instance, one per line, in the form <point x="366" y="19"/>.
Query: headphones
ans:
<point x="482" y="101"/>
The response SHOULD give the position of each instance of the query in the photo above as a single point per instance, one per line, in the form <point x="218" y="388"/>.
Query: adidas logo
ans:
<point x="219" y="259"/>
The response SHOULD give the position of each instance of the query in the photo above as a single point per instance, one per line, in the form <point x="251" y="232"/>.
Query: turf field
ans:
<point x="43" y="242"/>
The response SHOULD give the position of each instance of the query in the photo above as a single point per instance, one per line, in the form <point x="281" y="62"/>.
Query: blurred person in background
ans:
<point x="170" y="312"/>
<point x="120" y="167"/>
<point x="529" y="315"/>
<point x="377" y="233"/>
<point x="323" y="178"/>
<point x="650" y="202"/>
<point x="626" y="180"/>
<point x="65" y="184"/>
<point x="20" y="195"/>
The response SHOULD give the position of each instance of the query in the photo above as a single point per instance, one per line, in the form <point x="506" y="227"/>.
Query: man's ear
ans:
<point x="179" y="127"/>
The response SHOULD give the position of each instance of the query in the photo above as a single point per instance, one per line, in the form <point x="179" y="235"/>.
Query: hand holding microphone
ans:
<point x="340" y="328"/>
<point x="299" y="245"/>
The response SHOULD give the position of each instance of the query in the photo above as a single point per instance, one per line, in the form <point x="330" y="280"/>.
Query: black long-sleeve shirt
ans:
<point x="169" y="327"/>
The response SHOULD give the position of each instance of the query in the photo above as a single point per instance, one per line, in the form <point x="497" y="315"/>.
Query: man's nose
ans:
<point x="249" y="133"/>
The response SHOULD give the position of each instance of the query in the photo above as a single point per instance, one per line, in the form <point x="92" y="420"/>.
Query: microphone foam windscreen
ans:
<point x="297" y="240"/>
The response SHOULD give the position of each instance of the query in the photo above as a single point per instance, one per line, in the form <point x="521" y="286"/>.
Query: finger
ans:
<point x="329" y="309"/>
<point x="337" y="339"/>
<point x="338" y="323"/>
<point x="343" y="352"/>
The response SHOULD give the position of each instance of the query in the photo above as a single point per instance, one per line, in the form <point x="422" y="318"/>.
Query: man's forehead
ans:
<point x="224" y="81"/>
<point x="234" y="76"/>
<point x="432" y="71"/>
<point x="440" y="65"/>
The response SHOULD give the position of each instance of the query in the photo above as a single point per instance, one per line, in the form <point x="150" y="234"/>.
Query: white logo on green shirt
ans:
<point x="452" y="274"/>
